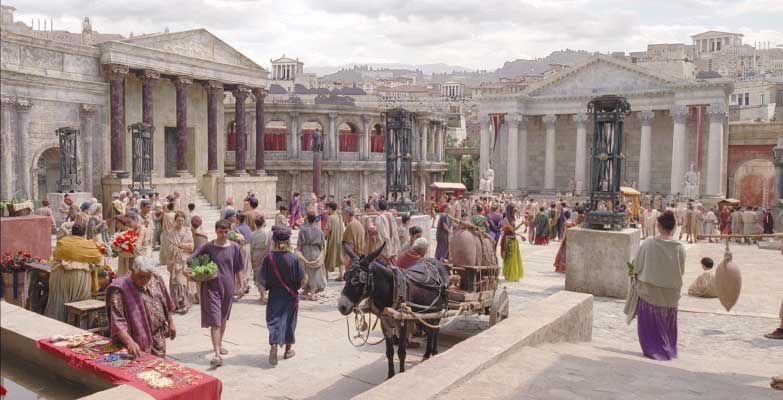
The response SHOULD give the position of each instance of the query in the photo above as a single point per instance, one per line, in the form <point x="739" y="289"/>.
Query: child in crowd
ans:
<point x="704" y="285"/>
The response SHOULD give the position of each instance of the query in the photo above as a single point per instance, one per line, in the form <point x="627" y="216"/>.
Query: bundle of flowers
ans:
<point x="105" y="271"/>
<point x="125" y="242"/>
<point x="16" y="262"/>
<point x="202" y="269"/>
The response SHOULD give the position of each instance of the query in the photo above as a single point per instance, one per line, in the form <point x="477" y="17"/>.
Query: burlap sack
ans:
<point x="728" y="280"/>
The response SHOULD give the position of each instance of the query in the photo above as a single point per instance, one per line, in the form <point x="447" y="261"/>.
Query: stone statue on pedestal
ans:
<point x="691" y="183"/>
<point x="487" y="184"/>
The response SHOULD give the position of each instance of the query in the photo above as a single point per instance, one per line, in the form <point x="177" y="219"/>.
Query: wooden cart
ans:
<point x="477" y="294"/>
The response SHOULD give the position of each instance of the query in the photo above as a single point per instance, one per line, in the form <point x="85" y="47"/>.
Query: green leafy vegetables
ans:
<point x="203" y="267"/>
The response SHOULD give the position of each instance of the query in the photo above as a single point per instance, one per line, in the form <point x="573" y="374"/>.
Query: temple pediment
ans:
<point x="601" y="75"/>
<point x="197" y="43"/>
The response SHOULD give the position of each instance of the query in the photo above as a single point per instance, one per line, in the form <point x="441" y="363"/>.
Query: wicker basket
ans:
<point x="20" y="209"/>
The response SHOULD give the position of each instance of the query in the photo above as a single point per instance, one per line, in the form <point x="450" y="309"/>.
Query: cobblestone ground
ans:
<point x="328" y="367"/>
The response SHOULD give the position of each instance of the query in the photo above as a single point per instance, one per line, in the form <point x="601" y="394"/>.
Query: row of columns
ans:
<point x="516" y="173"/>
<point x="430" y="146"/>
<point x="285" y="72"/>
<point x="149" y="79"/>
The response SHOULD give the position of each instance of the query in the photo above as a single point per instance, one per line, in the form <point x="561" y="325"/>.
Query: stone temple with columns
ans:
<point x="544" y="137"/>
<point x="190" y="87"/>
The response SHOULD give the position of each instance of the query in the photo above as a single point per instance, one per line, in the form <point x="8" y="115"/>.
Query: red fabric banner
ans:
<point x="496" y="127"/>
<point x="377" y="143"/>
<point x="274" y="142"/>
<point x="349" y="142"/>
<point x="203" y="386"/>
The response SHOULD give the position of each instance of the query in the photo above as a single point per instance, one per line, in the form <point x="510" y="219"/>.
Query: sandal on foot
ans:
<point x="223" y="351"/>
<point x="273" y="356"/>
<point x="776" y="334"/>
<point x="216" y="362"/>
<point x="290" y="353"/>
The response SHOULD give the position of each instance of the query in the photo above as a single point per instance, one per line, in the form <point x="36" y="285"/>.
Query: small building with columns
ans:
<point x="175" y="82"/>
<point x="544" y="138"/>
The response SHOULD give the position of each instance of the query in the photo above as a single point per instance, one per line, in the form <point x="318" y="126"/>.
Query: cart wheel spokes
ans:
<point x="498" y="311"/>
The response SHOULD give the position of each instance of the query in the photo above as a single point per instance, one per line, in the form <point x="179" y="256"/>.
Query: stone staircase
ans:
<point x="209" y="213"/>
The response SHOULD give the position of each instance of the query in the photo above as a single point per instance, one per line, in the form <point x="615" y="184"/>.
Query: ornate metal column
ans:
<point x="142" y="155"/>
<point x="399" y="173"/>
<point x="69" y="161"/>
<point x="607" y="158"/>
<point x="182" y="85"/>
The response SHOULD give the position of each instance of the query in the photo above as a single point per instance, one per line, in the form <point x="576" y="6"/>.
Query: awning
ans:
<point x="448" y="186"/>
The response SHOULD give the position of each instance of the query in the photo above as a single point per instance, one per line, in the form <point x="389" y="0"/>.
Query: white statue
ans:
<point x="691" y="183"/>
<point x="487" y="184"/>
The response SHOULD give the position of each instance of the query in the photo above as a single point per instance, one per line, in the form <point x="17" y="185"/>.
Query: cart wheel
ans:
<point x="498" y="311"/>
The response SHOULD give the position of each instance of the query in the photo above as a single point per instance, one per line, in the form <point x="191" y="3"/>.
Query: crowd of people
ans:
<point x="247" y="252"/>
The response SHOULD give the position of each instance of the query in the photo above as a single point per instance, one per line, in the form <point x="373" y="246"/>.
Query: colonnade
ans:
<point x="117" y="75"/>
<point x="517" y="166"/>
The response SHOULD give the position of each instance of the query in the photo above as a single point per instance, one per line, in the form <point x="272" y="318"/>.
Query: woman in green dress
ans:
<point x="513" y="270"/>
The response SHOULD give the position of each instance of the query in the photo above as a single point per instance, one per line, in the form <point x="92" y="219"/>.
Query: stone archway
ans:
<point x="46" y="172"/>
<point x="752" y="182"/>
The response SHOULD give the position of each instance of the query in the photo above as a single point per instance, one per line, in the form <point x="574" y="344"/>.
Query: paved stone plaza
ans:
<point x="722" y="355"/>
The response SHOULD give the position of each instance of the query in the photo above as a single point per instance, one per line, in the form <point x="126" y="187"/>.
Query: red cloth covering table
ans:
<point x="202" y="386"/>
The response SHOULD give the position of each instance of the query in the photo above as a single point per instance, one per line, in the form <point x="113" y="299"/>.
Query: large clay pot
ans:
<point x="728" y="281"/>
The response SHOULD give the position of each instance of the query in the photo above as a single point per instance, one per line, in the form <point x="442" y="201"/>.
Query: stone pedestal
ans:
<point x="264" y="187"/>
<point x="55" y="199"/>
<point x="596" y="261"/>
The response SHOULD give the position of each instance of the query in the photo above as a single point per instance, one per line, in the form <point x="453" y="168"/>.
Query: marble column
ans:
<point x="512" y="169"/>
<point x="240" y="94"/>
<point x="24" y="182"/>
<point x="259" y="94"/>
<point x="117" y="74"/>
<point x="549" y="155"/>
<point x="580" y="164"/>
<point x="214" y="98"/>
<point x="182" y="84"/>
<point x="295" y="138"/>
<point x="717" y="114"/>
<point x="522" y="157"/>
<point x="438" y="142"/>
<point x="364" y="187"/>
<point x="7" y="148"/>
<point x="679" y="149"/>
<point x="424" y="138"/>
<point x="484" y="143"/>
<point x="645" y="150"/>
<point x="148" y="81"/>
<point x="331" y="142"/>
<point x="87" y="115"/>
<point x="364" y="143"/>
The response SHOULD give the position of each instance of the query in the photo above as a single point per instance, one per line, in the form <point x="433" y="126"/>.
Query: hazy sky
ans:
<point x="471" y="33"/>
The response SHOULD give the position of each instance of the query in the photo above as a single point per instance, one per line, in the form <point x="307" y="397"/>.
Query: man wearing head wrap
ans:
<point x="282" y="274"/>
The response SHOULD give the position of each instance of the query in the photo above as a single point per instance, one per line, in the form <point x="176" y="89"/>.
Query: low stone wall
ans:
<point x="564" y="316"/>
<point x="30" y="233"/>
<point x="20" y="331"/>
<point x="263" y="186"/>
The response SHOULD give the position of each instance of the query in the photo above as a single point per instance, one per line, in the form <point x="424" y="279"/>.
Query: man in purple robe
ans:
<point x="294" y="211"/>
<point x="217" y="295"/>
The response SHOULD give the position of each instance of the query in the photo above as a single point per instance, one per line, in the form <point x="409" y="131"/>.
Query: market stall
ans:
<point x="158" y="377"/>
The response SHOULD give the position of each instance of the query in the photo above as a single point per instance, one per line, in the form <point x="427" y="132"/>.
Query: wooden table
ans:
<point x="83" y="314"/>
